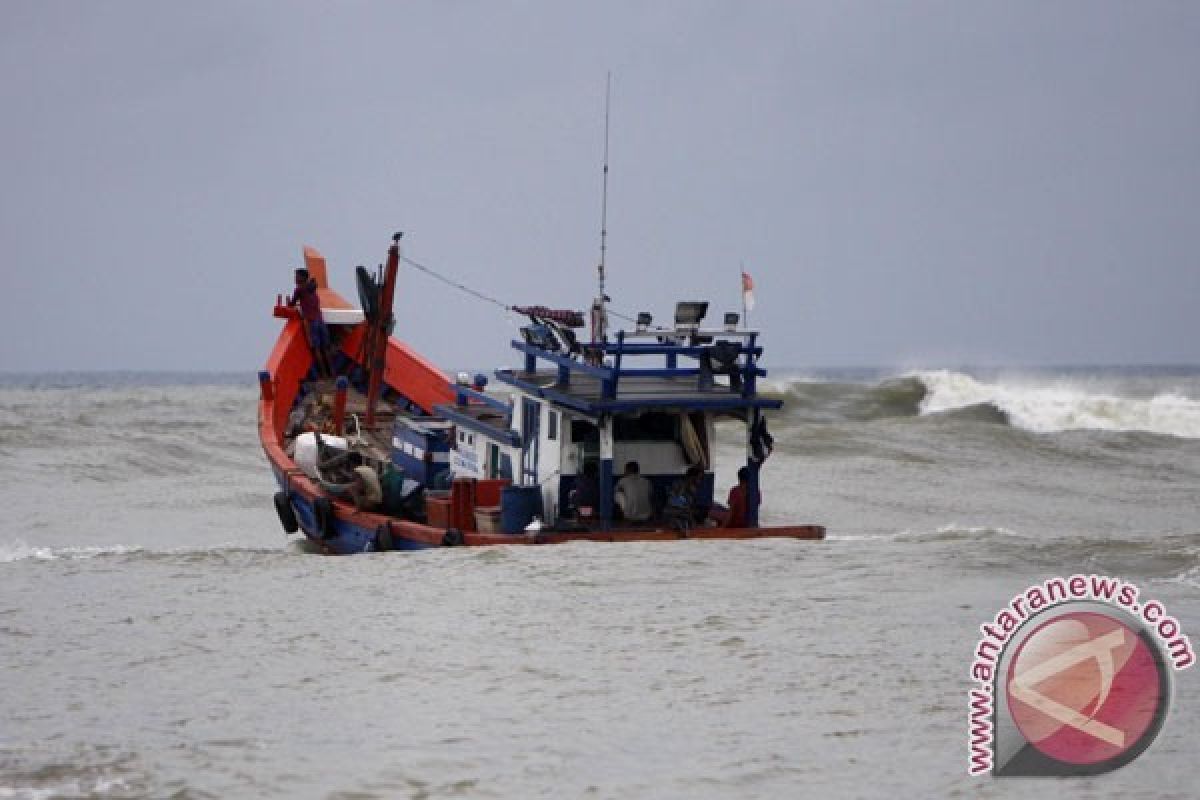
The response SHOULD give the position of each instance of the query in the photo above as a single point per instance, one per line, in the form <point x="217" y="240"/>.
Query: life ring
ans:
<point x="383" y="538"/>
<point x="452" y="538"/>
<point x="287" y="514"/>
<point x="325" y="517"/>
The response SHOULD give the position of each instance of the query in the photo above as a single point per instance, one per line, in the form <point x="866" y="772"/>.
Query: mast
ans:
<point x="377" y="336"/>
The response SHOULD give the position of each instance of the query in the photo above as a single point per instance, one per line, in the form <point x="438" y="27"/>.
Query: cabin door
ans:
<point x="531" y="416"/>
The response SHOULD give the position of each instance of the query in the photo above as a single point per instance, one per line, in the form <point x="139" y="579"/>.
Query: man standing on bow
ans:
<point x="315" y="330"/>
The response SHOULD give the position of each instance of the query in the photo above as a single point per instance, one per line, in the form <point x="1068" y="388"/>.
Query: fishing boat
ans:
<point x="375" y="449"/>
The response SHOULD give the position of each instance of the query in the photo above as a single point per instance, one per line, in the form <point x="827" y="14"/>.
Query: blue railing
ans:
<point x="610" y="376"/>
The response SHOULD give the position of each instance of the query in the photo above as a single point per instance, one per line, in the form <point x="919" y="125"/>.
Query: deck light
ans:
<point x="688" y="314"/>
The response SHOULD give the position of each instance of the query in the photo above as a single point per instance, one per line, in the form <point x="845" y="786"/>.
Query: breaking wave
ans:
<point x="1060" y="407"/>
<point x="1049" y="404"/>
<point x="817" y="401"/>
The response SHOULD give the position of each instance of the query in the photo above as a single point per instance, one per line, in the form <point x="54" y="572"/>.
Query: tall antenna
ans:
<point x="599" y="313"/>
<point x="604" y="194"/>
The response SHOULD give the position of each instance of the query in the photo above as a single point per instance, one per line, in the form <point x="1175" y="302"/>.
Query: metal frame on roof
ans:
<point x="557" y="387"/>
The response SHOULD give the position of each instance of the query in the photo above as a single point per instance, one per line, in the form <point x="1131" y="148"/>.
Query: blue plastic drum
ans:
<point x="518" y="506"/>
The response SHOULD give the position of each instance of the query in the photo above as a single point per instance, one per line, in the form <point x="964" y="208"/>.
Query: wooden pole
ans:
<point x="379" y="336"/>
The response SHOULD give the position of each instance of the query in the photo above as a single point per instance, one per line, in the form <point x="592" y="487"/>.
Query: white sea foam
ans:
<point x="34" y="793"/>
<point x="99" y="788"/>
<point x="1061" y="407"/>
<point x="89" y="788"/>
<point x="953" y="532"/>
<point x="19" y="550"/>
<point x="1189" y="577"/>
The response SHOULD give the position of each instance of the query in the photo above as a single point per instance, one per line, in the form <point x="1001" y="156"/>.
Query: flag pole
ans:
<point x="742" y="289"/>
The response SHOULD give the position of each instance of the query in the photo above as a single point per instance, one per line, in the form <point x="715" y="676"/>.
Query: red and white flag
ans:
<point x="747" y="291"/>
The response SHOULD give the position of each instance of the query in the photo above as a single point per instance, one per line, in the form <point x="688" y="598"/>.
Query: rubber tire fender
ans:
<point x="287" y="514"/>
<point x="383" y="539"/>
<point x="325" y="516"/>
<point x="452" y="538"/>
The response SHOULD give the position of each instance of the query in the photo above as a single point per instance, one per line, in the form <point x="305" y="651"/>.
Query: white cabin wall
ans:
<point x="550" y="460"/>
<point x="467" y="454"/>
<point x="654" y="458"/>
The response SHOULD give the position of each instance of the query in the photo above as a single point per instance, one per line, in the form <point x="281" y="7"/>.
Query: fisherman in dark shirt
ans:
<point x="317" y="334"/>
<point x="586" y="496"/>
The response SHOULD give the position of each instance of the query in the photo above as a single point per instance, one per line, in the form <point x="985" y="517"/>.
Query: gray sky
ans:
<point x="908" y="183"/>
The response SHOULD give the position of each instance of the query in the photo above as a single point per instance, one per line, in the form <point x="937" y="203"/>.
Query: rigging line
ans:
<point x="478" y="294"/>
<point x="450" y="282"/>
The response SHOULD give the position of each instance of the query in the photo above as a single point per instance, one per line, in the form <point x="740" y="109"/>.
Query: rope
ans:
<point x="431" y="272"/>
<point x="450" y="282"/>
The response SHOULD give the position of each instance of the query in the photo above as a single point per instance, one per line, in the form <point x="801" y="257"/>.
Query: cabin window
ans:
<point x="651" y="426"/>
<point x="584" y="432"/>
<point x="552" y="426"/>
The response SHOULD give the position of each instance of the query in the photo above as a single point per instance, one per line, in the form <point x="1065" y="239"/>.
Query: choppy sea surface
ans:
<point x="161" y="637"/>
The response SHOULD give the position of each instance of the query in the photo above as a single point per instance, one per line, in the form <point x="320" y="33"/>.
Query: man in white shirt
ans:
<point x="633" y="494"/>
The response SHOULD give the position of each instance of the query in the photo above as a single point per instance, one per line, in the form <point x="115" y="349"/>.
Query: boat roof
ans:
<point x="635" y="393"/>
<point x="484" y="416"/>
<point x="617" y="382"/>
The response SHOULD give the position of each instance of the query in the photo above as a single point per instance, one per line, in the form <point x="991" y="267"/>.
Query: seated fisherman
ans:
<point x="682" y="509"/>
<point x="586" y="495"/>
<point x="632" y="494"/>
<point x="739" y="500"/>
<point x="366" y="491"/>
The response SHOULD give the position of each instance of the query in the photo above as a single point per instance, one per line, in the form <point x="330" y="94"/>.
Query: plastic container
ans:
<point x="462" y="504"/>
<point x="487" y="519"/>
<point x="437" y="511"/>
<point x="518" y="506"/>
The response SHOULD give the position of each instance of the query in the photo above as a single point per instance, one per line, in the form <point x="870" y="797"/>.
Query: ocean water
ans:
<point x="161" y="637"/>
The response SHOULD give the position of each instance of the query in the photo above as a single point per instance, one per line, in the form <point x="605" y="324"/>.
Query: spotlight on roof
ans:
<point x="643" y="321"/>
<point x="731" y="320"/>
<point x="688" y="314"/>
